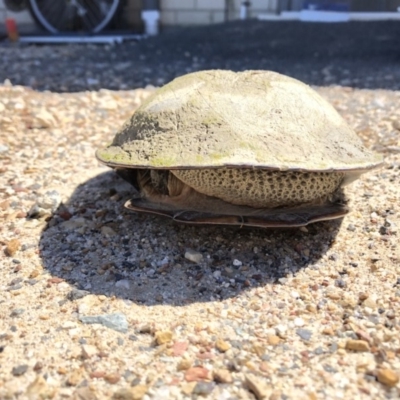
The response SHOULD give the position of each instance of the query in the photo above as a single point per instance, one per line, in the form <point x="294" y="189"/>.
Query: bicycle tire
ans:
<point x="57" y="16"/>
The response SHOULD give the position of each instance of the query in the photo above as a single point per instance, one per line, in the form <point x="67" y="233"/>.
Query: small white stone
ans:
<point x="68" y="325"/>
<point x="123" y="283"/>
<point x="216" y="274"/>
<point x="295" y="294"/>
<point x="281" y="329"/>
<point x="193" y="256"/>
<point x="237" y="263"/>
<point x="299" y="322"/>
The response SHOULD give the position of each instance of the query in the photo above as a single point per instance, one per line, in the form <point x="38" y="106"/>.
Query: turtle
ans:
<point x="252" y="148"/>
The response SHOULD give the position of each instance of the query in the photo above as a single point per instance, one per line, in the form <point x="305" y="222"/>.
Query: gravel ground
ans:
<point x="98" y="303"/>
<point x="358" y="54"/>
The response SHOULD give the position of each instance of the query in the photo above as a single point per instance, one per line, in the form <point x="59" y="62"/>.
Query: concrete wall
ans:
<point x="198" y="12"/>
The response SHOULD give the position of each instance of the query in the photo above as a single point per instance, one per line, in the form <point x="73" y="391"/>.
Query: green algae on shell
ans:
<point x="257" y="119"/>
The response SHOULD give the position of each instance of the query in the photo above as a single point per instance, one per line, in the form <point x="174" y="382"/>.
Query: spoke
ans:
<point x="90" y="20"/>
<point x="62" y="15"/>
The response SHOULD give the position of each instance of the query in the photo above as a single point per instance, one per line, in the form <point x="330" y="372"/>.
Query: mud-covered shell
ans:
<point x="258" y="119"/>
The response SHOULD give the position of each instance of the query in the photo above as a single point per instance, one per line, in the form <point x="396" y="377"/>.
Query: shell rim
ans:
<point x="368" y="167"/>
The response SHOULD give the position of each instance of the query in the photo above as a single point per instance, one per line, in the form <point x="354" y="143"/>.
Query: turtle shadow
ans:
<point x="96" y="245"/>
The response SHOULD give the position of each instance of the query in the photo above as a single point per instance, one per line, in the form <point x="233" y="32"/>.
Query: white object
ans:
<point x="244" y="9"/>
<point x="323" y="16"/>
<point x="150" y="19"/>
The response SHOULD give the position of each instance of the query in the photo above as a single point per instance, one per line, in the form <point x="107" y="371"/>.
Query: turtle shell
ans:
<point x="251" y="119"/>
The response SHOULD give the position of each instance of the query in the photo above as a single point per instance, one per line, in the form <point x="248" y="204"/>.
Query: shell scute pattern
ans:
<point x="261" y="188"/>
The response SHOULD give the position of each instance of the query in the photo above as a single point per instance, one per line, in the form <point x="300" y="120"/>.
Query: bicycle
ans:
<point x="58" y="16"/>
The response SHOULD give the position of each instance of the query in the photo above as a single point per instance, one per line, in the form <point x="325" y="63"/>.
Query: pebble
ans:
<point x="46" y="204"/>
<point x="44" y="119"/>
<point x="163" y="337"/>
<point x="187" y="388"/>
<point x="112" y="378"/>
<point x="193" y="256"/>
<point x="273" y="340"/>
<point x="39" y="389"/>
<point x="107" y="231"/>
<point x="222" y="376"/>
<point x="388" y="377"/>
<point x="17" y="312"/>
<point x="74" y="224"/>
<point x="184" y="364"/>
<point x="12" y="247"/>
<point x="369" y="302"/>
<point x="76" y="294"/>
<point x="133" y="393"/>
<point x="222" y="346"/>
<point x="84" y="393"/>
<point x="203" y="388"/>
<point x="257" y="386"/>
<point x="179" y="348"/>
<point x="281" y="330"/>
<point x="19" y="370"/>
<point x="237" y="263"/>
<point x="89" y="351"/>
<point x="298" y="322"/>
<point x="196" y="374"/>
<point x="75" y="377"/>
<point x="357" y="345"/>
<point x="305" y="334"/>
<point x="115" y="321"/>
<point x="123" y="284"/>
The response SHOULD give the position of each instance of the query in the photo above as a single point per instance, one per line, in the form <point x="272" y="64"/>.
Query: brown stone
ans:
<point x="357" y="345"/>
<point x="112" y="377"/>
<point x="222" y="346"/>
<point x="133" y="393"/>
<point x="97" y="374"/>
<point x="273" y="340"/>
<point x="328" y="331"/>
<point x="12" y="247"/>
<point x="163" y="337"/>
<point x="388" y="377"/>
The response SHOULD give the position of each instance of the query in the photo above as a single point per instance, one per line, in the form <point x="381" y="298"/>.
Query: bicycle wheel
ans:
<point x="73" y="15"/>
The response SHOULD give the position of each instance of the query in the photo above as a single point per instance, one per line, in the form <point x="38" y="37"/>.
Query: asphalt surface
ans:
<point x="356" y="54"/>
